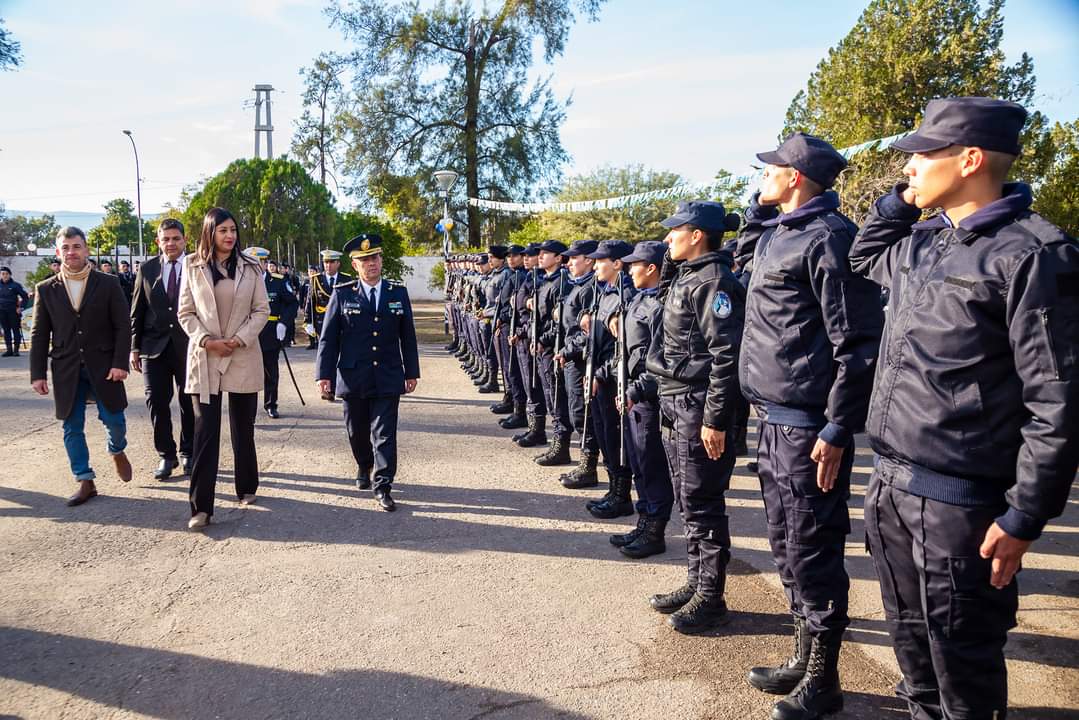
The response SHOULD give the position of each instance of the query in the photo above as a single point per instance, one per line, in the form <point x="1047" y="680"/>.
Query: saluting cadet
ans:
<point x="651" y="474"/>
<point x="578" y="301"/>
<point x="369" y="344"/>
<point x="536" y="409"/>
<point x="696" y="365"/>
<point x="606" y="422"/>
<point x="975" y="403"/>
<point x="808" y="352"/>
<point x="318" y="295"/>
<point x="283" y="307"/>
<point x="553" y="284"/>
<point x="514" y="399"/>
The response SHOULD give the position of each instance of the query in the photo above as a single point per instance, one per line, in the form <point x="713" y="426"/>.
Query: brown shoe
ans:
<point x="86" y="491"/>
<point x="123" y="466"/>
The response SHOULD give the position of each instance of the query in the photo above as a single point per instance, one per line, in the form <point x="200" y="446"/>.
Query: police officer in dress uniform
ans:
<point x="696" y="365"/>
<point x="318" y="296"/>
<point x="811" y="387"/>
<point x="369" y="343"/>
<point x="975" y="404"/>
<point x="283" y="307"/>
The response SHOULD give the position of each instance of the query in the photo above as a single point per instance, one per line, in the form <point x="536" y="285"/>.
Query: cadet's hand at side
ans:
<point x="410" y="385"/>
<point x="714" y="442"/>
<point x="1007" y="554"/>
<point x="828" y="459"/>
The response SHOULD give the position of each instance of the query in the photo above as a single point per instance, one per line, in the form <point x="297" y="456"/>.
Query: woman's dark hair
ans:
<point x="205" y="250"/>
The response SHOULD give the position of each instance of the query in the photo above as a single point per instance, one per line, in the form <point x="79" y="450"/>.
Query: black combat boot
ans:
<point x="620" y="504"/>
<point x="607" y="497"/>
<point x="818" y="692"/>
<point x="781" y="680"/>
<point x="668" y="603"/>
<point x="584" y="475"/>
<point x="537" y="433"/>
<point x="516" y="420"/>
<point x="483" y="376"/>
<point x="530" y="422"/>
<point x="626" y="538"/>
<point x="491" y="386"/>
<point x="648" y="543"/>
<point x="558" y="454"/>
<point x="504" y="406"/>
<point x="701" y="613"/>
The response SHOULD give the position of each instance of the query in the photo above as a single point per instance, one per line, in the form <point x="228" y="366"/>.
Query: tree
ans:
<point x="18" y="231"/>
<point x="899" y="55"/>
<point x="1056" y="197"/>
<point x="448" y="86"/>
<point x="119" y="228"/>
<point x="43" y="271"/>
<point x="318" y="138"/>
<point x="10" y="49"/>
<point x="355" y="222"/>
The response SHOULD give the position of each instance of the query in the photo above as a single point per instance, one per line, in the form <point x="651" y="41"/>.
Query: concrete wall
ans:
<point x="416" y="282"/>
<point x="21" y="266"/>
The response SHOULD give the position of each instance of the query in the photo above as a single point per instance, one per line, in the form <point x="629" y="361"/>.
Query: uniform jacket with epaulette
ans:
<point x="371" y="351"/>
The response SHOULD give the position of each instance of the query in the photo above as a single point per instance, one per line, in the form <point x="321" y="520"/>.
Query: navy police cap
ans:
<point x="515" y="250"/>
<point x="969" y="121"/>
<point x="809" y="155"/>
<point x="553" y="246"/>
<point x="533" y="249"/>
<point x="498" y="251"/>
<point x="649" y="251"/>
<point x="612" y="250"/>
<point x="703" y="214"/>
<point x="363" y="245"/>
<point x="581" y="247"/>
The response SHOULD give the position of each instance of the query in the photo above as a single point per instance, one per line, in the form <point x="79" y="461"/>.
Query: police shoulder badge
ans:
<point x="721" y="305"/>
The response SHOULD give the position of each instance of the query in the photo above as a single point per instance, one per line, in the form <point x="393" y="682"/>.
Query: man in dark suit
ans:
<point x="127" y="280"/>
<point x="158" y="340"/>
<point x="368" y="343"/>
<point x="83" y="314"/>
<point x="283" y="308"/>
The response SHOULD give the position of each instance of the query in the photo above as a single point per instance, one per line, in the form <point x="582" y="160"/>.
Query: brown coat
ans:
<point x="242" y="371"/>
<point x="98" y="336"/>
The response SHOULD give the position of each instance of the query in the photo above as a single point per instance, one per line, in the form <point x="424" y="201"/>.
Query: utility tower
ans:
<point x="262" y="95"/>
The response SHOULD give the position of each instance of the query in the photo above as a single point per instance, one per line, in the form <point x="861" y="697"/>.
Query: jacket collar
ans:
<point x="1016" y="200"/>
<point x="584" y="279"/>
<point x="722" y="257"/>
<point x="825" y="202"/>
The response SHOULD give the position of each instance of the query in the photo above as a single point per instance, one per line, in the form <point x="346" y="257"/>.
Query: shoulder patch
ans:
<point x="721" y="304"/>
<point x="340" y="285"/>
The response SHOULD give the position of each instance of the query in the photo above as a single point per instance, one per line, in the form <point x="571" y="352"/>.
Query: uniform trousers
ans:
<point x="371" y="423"/>
<point x="699" y="487"/>
<point x="647" y="458"/>
<point x="271" y="373"/>
<point x="536" y="405"/>
<point x="948" y="624"/>
<point x="9" y="320"/>
<point x="605" y="424"/>
<point x="511" y="370"/>
<point x="205" y="458"/>
<point x="554" y="393"/>
<point x="574" y="374"/>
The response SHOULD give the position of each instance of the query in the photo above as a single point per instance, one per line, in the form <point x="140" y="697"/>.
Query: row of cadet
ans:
<point x="965" y="384"/>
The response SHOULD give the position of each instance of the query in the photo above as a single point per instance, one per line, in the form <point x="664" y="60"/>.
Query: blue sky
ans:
<point x="688" y="86"/>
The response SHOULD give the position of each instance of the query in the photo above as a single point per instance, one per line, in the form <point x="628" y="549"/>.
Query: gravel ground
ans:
<point x="489" y="594"/>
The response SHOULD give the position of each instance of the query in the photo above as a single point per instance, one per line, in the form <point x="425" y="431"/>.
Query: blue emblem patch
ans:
<point x="721" y="305"/>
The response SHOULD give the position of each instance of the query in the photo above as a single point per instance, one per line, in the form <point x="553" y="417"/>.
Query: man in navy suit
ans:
<point x="368" y="343"/>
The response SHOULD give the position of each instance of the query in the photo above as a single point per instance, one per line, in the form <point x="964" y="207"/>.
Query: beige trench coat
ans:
<point x="240" y="372"/>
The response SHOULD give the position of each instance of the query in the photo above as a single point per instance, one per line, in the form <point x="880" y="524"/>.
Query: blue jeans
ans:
<point x="78" y="454"/>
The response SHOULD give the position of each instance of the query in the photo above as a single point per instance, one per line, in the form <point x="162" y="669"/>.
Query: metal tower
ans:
<point x="262" y="95"/>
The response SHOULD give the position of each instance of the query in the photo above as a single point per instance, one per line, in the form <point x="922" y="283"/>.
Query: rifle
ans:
<point x="513" y="305"/>
<point x="535" y="324"/>
<point x="590" y="351"/>
<point x="620" y="353"/>
<point x="558" y="339"/>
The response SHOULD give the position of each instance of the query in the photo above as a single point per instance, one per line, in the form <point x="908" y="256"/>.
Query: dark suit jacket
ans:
<point x="153" y="318"/>
<point x="98" y="336"/>
<point x="370" y="352"/>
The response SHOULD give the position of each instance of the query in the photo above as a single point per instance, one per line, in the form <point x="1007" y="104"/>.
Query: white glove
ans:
<point x="309" y="329"/>
<point x="281" y="331"/>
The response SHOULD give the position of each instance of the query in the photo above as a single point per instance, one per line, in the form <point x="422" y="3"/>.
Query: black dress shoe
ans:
<point x="186" y="461"/>
<point x="9" y="353"/>
<point x="363" y="479"/>
<point x="272" y="412"/>
<point x="165" y="468"/>
<point x="385" y="501"/>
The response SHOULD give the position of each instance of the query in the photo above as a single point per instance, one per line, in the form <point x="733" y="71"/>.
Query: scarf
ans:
<point x="80" y="277"/>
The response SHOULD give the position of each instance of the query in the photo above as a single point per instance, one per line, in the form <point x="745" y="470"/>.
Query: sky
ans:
<point x="689" y="86"/>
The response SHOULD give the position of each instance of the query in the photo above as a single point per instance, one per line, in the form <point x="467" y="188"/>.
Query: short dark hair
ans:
<point x="71" y="232"/>
<point x="714" y="238"/>
<point x="170" y="224"/>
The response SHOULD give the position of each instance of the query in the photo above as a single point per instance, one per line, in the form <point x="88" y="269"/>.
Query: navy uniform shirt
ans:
<point x="370" y="350"/>
<point x="283" y="306"/>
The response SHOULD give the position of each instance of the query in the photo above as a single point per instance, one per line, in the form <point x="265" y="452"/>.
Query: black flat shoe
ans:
<point x="272" y="412"/>
<point x="165" y="468"/>
<point x="186" y="460"/>
<point x="385" y="501"/>
<point x="363" y="479"/>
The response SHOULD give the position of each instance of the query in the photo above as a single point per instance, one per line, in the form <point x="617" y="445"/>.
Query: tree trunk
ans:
<point x="472" y="106"/>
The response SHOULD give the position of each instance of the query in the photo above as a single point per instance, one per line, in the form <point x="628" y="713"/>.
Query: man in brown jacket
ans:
<point x="84" y="315"/>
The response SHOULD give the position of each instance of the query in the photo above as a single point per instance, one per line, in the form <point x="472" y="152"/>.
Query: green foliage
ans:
<point x="1057" y="195"/>
<point x="319" y="137"/>
<point x="356" y="222"/>
<point x="18" y="231"/>
<point x="448" y="85"/>
<point x="436" y="281"/>
<point x="411" y="208"/>
<point x="529" y="232"/>
<point x="41" y="272"/>
<point x="120" y="227"/>
<point x="10" y="49"/>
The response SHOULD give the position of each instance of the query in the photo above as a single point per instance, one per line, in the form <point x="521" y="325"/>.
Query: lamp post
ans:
<point x="138" y="201"/>
<point x="445" y="180"/>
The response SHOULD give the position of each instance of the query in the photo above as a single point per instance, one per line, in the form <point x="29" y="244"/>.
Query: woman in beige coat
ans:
<point x="223" y="306"/>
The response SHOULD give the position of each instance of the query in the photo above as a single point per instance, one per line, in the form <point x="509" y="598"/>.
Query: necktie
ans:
<point x="173" y="289"/>
<point x="374" y="300"/>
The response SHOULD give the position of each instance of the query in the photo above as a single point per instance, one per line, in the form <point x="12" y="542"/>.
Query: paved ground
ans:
<point x="489" y="594"/>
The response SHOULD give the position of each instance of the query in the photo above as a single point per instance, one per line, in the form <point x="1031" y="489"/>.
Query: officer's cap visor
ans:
<point x="915" y="143"/>
<point x="676" y="220"/>
<point x="772" y="157"/>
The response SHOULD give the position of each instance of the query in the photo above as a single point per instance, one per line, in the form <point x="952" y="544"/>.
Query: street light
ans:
<point x="445" y="180"/>
<point x="138" y="202"/>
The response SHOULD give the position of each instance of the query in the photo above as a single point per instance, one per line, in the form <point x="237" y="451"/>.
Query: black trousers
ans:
<point x="271" y="373"/>
<point x="948" y="624"/>
<point x="605" y="424"/>
<point x="511" y="370"/>
<point x="9" y="319"/>
<point x="554" y="393"/>
<point x="700" y="484"/>
<point x="807" y="528"/>
<point x="533" y="391"/>
<point x="651" y="474"/>
<point x="161" y="377"/>
<point x="205" y="459"/>
<point x="574" y="374"/>
<point x="371" y="424"/>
